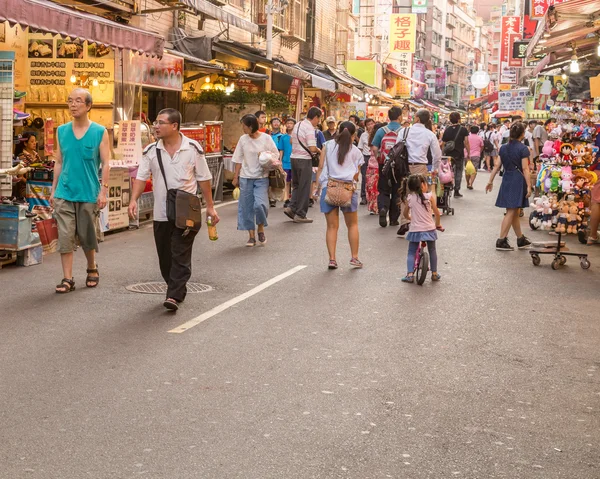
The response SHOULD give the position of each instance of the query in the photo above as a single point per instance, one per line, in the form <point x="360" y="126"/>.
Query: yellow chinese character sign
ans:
<point x="403" y="32"/>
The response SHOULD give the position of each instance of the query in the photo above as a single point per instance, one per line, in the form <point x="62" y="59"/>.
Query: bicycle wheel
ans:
<point x="423" y="267"/>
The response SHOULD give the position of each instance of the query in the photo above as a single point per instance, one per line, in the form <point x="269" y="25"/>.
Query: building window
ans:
<point x="296" y="18"/>
<point x="237" y="3"/>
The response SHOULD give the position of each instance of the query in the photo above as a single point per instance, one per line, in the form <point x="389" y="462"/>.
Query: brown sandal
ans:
<point x="65" y="286"/>
<point x="94" y="280"/>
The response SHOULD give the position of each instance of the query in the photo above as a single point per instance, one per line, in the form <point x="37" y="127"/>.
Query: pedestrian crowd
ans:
<point x="391" y="168"/>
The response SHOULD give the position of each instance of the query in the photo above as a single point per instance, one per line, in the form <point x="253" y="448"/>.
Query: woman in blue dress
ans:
<point x="515" y="188"/>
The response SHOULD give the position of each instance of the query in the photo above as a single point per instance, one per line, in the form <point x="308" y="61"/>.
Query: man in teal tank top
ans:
<point x="77" y="193"/>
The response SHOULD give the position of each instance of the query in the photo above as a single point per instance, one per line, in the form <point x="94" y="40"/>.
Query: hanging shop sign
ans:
<point x="419" y="6"/>
<point x="165" y="73"/>
<point x="440" y="81"/>
<point x="293" y="92"/>
<point x="549" y="90"/>
<point x="345" y="109"/>
<point x="247" y="85"/>
<point x="508" y="74"/>
<point x="403" y="88"/>
<point x="403" y="33"/>
<point x="419" y="74"/>
<point x="538" y="8"/>
<point x="511" y="26"/>
<point x="129" y="144"/>
<point x="512" y="60"/>
<point x="512" y="100"/>
<point x="519" y="48"/>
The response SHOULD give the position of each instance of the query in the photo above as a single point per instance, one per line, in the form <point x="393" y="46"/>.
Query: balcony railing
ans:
<point x="450" y="67"/>
<point x="260" y="7"/>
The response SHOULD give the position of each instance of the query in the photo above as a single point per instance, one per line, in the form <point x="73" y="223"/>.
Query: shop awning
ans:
<point x="45" y="16"/>
<point x="218" y="13"/>
<point x="430" y="105"/>
<point x="251" y="75"/>
<point x="393" y="71"/>
<point x="231" y="48"/>
<point x="292" y="71"/>
<point x="197" y="62"/>
<point x="344" y="77"/>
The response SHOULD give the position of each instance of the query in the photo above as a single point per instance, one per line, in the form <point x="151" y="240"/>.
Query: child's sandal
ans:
<point x="436" y="276"/>
<point x="408" y="279"/>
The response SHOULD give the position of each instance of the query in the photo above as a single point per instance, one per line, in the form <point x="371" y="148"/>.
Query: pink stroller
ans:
<point x="446" y="179"/>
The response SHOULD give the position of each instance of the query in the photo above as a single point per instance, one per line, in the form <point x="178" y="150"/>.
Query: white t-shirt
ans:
<point x="183" y="171"/>
<point x="344" y="172"/>
<point x="247" y="151"/>
<point x="363" y="144"/>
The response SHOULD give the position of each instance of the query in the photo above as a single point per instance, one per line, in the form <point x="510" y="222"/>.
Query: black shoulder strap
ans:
<point x="162" y="168"/>
<point x="406" y="134"/>
<point x="457" y="132"/>
<point x="302" y="144"/>
<point x="149" y="147"/>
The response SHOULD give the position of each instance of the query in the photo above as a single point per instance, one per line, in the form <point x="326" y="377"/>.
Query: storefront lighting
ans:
<point x="599" y="47"/>
<point x="207" y="80"/>
<point x="564" y="76"/>
<point x="73" y="79"/>
<point x="95" y="82"/>
<point x="574" y="67"/>
<point x="547" y="35"/>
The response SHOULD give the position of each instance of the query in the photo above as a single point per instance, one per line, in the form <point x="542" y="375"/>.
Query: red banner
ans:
<point x="512" y="61"/>
<point x="511" y="26"/>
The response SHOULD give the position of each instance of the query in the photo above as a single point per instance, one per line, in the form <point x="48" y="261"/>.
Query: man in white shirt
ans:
<point x="528" y="139"/>
<point x="185" y="169"/>
<point x="419" y="141"/>
<point x="304" y="145"/>
<point x="365" y="149"/>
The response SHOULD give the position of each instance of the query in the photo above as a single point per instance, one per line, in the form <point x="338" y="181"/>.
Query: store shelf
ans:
<point x="62" y="105"/>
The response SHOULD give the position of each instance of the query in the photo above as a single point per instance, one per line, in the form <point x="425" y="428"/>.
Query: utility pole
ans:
<point x="271" y="9"/>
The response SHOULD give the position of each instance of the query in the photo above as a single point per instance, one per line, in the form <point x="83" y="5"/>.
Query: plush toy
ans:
<point x="557" y="145"/>
<point x="538" y="211"/>
<point x="579" y="151"/>
<point x="548" y="148"/>
<point x="584" y="219"/>
<point x="566" y="184"/>
<point x="555" y="181"/>
<point x="555" y="210"/>
<point x="579" y="182"/>
<point x="574" y="219"/>
<point x="546" y="214"/>
<point x="566" y="158"/>
<point x="561" y="226"/>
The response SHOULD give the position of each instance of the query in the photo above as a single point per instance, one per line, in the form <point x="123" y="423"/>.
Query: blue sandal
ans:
<point x="408" y="279"/>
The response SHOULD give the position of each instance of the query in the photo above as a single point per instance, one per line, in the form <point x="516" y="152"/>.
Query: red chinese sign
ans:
<point x="540" y="7"/>
<point x="403" y="33"/>
<point x="511" y="27"/>
<point x="512" y="61"/>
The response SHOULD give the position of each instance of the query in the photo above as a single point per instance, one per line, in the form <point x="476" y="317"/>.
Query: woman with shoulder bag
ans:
<point x="253" y="180"/>
<point x="338" y="173"/>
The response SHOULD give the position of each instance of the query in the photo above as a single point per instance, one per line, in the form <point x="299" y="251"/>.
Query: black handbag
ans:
<point x="315" y="157"/>
<point x="183" y="208"/>
<point x="450" y="146"/>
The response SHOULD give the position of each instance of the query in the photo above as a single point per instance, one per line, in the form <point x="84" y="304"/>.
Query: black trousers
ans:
<point x="174" y="257"/>
<point x="363" y="174"/>
<point x="388" y="195"/>
<point x="301" y="185"/>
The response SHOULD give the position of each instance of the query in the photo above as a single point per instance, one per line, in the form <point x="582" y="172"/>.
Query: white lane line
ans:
<point x="232" y="302"/>
<point x="220" y="205"/>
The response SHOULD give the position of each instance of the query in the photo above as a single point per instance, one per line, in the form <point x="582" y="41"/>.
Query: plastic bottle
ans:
<point x="212" y="229"/>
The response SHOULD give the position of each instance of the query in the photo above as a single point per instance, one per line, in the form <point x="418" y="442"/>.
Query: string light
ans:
<point x="95" y="82"/>
<point x="73" y="79"/>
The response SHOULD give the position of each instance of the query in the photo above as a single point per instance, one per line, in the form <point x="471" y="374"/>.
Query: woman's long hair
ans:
<point x="344" y="140"/>
<point x="413" y="184"/>
<point x="373" y="131"/>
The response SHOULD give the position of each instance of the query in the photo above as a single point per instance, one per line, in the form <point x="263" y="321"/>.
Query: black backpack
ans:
<point x="397" y="159"/>
<point x="488" y="146"/>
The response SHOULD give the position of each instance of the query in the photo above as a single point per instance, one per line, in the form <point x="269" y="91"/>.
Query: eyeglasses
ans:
<point x="161" y="123"/>
<point x="77" y="101"/>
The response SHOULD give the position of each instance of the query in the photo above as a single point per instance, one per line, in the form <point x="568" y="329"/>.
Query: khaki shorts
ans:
<point x="76" y="221"/>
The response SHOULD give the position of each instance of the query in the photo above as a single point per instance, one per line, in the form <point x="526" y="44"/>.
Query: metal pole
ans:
<point x="269" y="12"/>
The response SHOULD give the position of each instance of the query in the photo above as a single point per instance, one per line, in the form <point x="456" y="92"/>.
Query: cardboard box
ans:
<point x="30" y="256"/>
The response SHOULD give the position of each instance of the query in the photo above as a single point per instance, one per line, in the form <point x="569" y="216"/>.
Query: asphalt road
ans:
<point x="491" y="373"/>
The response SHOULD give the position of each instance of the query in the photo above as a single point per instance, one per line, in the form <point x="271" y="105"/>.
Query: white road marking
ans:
<point x="232" y="302"/>
<point x="220" y="205"/>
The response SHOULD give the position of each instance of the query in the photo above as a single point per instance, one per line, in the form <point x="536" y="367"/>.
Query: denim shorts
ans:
<point x="326" y="208"/>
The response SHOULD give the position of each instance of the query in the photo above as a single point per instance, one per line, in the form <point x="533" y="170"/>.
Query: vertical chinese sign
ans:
<point x="129" y="143"/>
<point x="511" y="29"/>
<point x="293" y="92"/>
<point x="403" y="33"/>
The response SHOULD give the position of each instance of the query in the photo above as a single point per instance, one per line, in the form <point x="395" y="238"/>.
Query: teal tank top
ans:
<point x="79" y="180"/>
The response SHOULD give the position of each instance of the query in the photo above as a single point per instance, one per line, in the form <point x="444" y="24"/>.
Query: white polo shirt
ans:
<point x="183" y="171"/>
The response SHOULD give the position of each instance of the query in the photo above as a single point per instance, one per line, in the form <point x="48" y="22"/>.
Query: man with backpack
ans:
<point x="420" y="143"/>
<point x="454" y="145"/>
<point x="383" y="141"/>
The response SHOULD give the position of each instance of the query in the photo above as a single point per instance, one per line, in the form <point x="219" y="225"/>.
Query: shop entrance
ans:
<point x="153" y="100"/>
